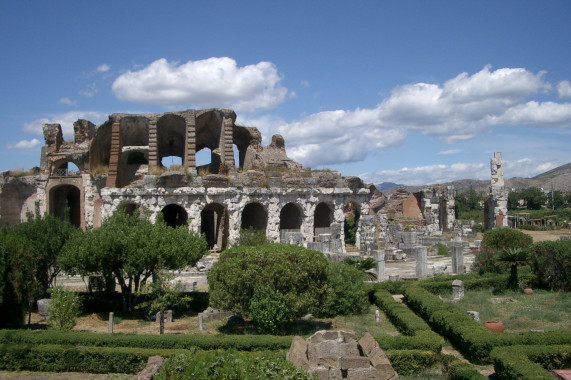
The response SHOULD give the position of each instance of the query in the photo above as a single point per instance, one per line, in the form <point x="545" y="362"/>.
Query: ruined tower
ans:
<point x="496" y="210"/>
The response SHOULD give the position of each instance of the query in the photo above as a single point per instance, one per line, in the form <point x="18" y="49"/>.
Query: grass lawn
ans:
<point x="543" y="310"/>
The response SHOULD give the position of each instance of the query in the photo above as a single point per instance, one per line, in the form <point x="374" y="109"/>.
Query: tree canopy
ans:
<point x="131" y="249"/>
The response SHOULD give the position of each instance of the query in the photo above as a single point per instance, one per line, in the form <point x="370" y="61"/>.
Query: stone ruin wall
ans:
<point x="496" y="208"/>
<point x="119" y="166"/>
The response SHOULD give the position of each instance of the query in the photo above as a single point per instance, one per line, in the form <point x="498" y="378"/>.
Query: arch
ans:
<point x="208" y="135"/>
<point x="66" y="167"/>
<point x="128" y="207"/>
<point x="352" y="214"/>
<point x="65" y="202"/>
<point x="291" y="217"/>
<point x="214" y="225"/>
<point x="171" y="137"/>
<point x="254" y="216"/>
<point x="174" y="215"/>
<point x="322" y="219"/>
<point x="134" y="131"/>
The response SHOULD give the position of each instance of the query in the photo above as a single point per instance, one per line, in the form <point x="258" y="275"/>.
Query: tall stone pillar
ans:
<point x="421" y="254"/>
<point x="379" y="256"/>
<point x="226" y="140"/>
<point x="153" y="145"/>
<point x="457" y="257"/>
<point x="497" y="206"/>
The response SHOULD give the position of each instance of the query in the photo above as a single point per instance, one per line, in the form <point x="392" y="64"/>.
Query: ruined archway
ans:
<point x="65" y="203"/>
<point x="352" y="214"/>
<point x="323" y="217"/>
<point x="135" y="166"/>
<point x="128" y="208"/>
<point x="290" y="217"/>
<point x="254" y="216"/>
<point x="64" y="168"/>
<point x="214" y="226"/>
<point x="171" y="136"/>
<point x="174" y="215"/>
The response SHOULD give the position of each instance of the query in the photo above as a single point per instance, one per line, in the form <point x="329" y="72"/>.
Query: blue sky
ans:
<point x="414" y="92"/>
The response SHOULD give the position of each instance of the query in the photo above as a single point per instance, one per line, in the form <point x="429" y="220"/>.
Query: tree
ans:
<point x="468" y="201"/>
<point x="351" y="225"/>
<point x="513" y="257"/>
<point x="514" y="199"/>
<point x="45" y="237"/>
<point x="504" y="238"/>
<point x="132" y="249"/>
<point x="534" y="198"/>
<point x="297" y="274"/>
<point x="555" y="200"/>
<point x="64" y="309"/>
<point x="17" y="282"/>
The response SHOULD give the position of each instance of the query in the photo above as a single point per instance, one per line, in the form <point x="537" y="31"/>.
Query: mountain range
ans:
<point x="554" y="179"/>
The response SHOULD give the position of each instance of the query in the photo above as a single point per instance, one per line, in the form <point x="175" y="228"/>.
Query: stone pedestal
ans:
<point x="421" y="254"/>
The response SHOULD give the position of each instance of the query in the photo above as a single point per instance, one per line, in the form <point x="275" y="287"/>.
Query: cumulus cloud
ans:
<point x="564" y="89"/>
<point x="25" y="144"/>
<point x="457" y="110"/>
<point x="450" y="151"/>
<point x="66" y="121"/>
<point x="212" y="82"/>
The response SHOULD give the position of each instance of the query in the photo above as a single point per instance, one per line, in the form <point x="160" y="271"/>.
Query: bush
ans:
<point x="251" y="237"/>
<point x="551" y="263"/>
<point x="442" y="249"/>
<point x="268" y="312"/>
<point x="298" y="274"/>
<point x="64" y="309"/>
<point x="506" y="238"/>
<point x="530" y="362"/>
<point x="230" y="365"/>
<point x="346" y="292"/>
<point x="485" y="261"/>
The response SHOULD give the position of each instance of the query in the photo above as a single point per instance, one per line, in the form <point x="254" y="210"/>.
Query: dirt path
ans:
<point x="547" y="235"/>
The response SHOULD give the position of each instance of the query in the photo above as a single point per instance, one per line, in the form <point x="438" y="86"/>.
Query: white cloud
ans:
<point x="68" y="102"/>
<point x="450" y="151"/>
<point x="213" y="82"/>
<point x="435" y="174"/>
<point x="564" y="89"/>
<point x="25" y="144"/>
<point x="66" y="121"/>
<point x="460" y="109"/>
<point x="103" y="68"/>
<point x="90" y="91"/>
<point x="304" y="83"/>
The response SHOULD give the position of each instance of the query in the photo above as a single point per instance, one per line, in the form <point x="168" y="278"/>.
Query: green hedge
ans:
<point x="530" y="362"/>
<point x="472" y="338"/>
<point x="406" y="362"/>
<point x="417" y="334"/>
<point x="461" y="370"/>
<point x="58" y="358"/>
<point x="179" y="341"/>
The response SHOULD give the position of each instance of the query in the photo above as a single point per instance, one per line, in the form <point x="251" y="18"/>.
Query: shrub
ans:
<point x="530" y="362"/>
<point x="551" y="263"/>
<point x="442" y="249"/>
<point x="485" y="261"/>
<point x="346" y="291"/>
<point x="506" y="238"/>
<point x="298" y="274"/>
<point x="251" y="237"/>
<point x="64" y="309"/>
<point x="268" y="312"/>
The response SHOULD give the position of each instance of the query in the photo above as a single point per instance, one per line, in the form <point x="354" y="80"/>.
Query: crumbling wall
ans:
<point x="496" y="208"/>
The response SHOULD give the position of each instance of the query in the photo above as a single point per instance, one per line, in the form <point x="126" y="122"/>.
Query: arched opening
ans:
<point x="174" y="215"/>
<point x="136" y="165"/>
<point x="214" y="226"/>
<point x="66" y="168"/>
<point x="171" y="162"/>
<point x="290" y="224"/>
<point x="352" y="213"/>
<point x="254" y="216"/>
<point x="205" y="162"/>
<point x="65" y="203"/>
<point x="128" y="208"/>
<point x="171" y="137"/>
<point x="322" y="219"/>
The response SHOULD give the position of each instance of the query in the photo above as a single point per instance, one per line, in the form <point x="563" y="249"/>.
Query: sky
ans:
<point x="412" y="92"/>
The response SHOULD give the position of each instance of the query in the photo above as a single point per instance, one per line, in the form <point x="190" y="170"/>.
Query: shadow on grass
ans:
<point x="294" y="328"/>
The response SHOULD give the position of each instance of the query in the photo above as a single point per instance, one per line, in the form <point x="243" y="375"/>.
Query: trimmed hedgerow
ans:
<point x="406" y="362"/>
<point x="472" y="338"/>
<point x="59" y="358"/>
<point x="417" y="334"/>
<point x="461" y="370"/>
<point x="530" y="362"/>
<point x="205" y="342"/>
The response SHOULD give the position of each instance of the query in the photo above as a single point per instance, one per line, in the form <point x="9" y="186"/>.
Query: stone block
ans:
<point x="43" y="306"/>
<point x="368" y="343"/>
<point x="328" y="361"/>
<point x="474" y="314"/>
<point x="297" y="353"/>
<point x="363" y="374"/>
<point x="458" y="289"/>
<point x="322" y="373"/>
<point x="346" y="362"/>
<point x="167" y="317"/>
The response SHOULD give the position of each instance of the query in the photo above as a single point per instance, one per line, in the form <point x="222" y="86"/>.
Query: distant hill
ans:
<point x="387" y="185"/>
<point x="558" y="179"/>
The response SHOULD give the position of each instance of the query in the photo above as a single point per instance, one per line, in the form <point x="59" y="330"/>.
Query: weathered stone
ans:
<point x="474" y="314"/>
<point x="297" y="353"/>
<point x="167" y="316"/>
<point x="254" y="178"/>
<point x="173" y="179"/>
<point x="215" y="180"/>
<point x="346" y="362"/>
<point x="457" y="290"/>
<point x="154" y="365"/>
<point x="43" y="307"/>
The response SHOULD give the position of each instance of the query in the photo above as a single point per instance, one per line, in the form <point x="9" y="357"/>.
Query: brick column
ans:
<point x="114" y="155"/>
<point x="153" y="145"/>
<point x="190" y="146"/>
<point x="226" y="139"/>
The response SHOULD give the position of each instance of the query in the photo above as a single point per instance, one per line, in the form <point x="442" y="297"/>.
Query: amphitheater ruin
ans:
<point x="120" y="165"/>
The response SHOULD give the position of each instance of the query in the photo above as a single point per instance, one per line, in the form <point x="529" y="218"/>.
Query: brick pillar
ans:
<point x="190" y="146"/>
<point x="153" y="145"/>
<point x="226" y="139"/>
<point x="114" y="155"/>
